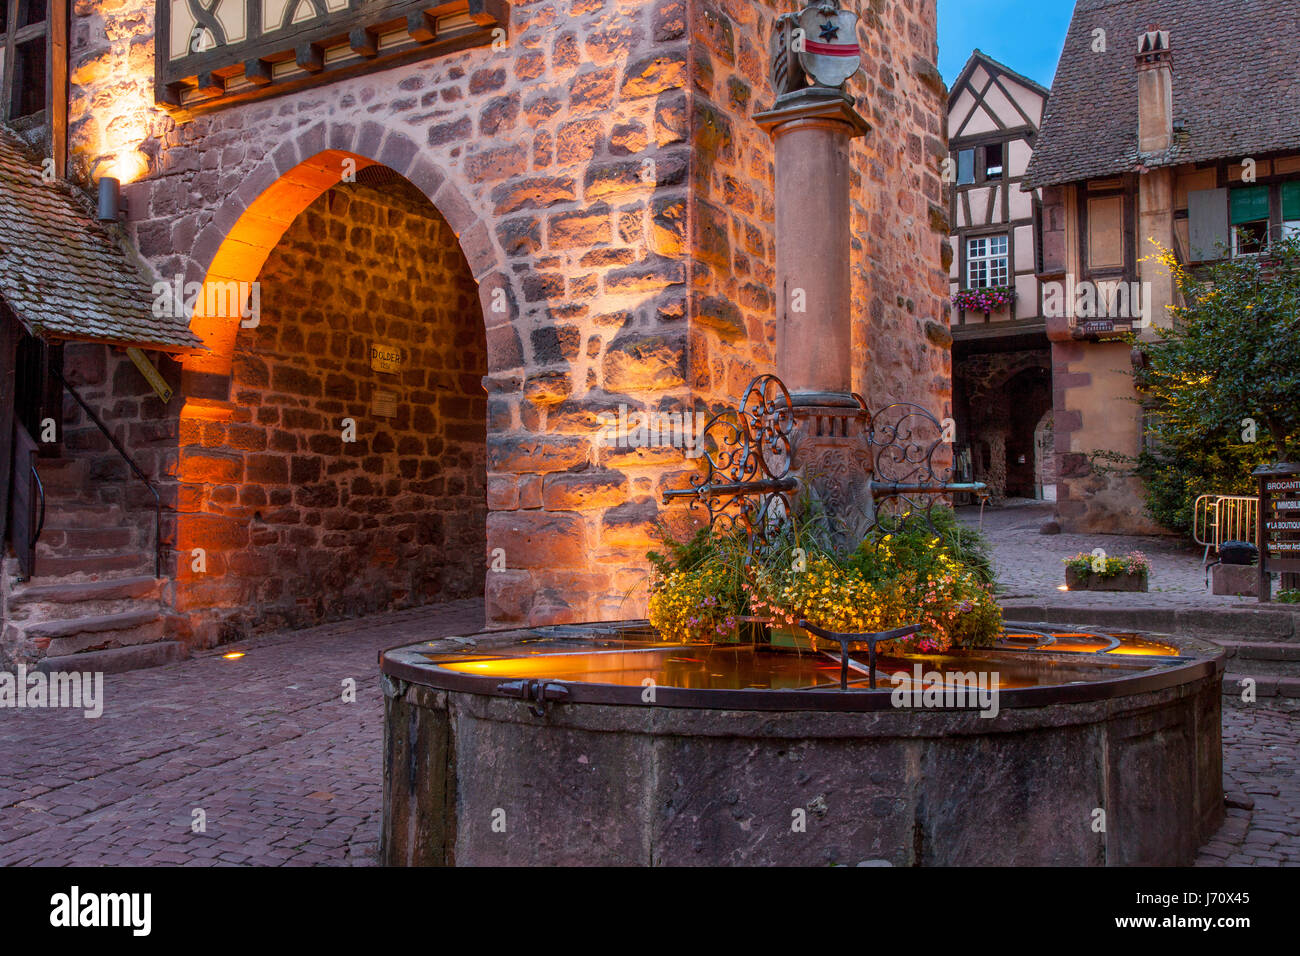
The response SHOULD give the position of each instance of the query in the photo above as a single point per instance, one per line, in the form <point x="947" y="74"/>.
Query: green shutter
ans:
<point x="1248" y="204"/>
<point x="1291" y="201"/>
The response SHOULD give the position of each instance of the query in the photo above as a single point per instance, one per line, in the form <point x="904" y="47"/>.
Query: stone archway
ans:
<point x="296" y="521"/>
<point x="233" y="247"/>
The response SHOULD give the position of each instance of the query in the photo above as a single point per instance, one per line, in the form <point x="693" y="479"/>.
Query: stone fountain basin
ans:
<point x="1092" y="759"/>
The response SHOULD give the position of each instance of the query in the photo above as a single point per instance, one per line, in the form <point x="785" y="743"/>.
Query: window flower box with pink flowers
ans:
<point x="984" y="300"/>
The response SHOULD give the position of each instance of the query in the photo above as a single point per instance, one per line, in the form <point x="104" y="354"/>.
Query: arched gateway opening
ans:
<point x="333" y="452"/>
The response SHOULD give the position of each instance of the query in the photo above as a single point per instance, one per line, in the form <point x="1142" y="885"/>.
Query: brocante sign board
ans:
<point x="1278" y="532"/>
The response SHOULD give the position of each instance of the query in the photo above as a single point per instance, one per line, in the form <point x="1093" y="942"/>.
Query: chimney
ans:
<point x="1155" y="92"/>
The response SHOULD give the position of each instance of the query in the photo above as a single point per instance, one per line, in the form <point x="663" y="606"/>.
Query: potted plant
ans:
<point x="1098" y="572"/>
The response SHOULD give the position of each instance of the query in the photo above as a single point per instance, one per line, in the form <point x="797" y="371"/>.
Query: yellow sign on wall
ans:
<point x="151" y="374"/>
<point x="385" y="358"/>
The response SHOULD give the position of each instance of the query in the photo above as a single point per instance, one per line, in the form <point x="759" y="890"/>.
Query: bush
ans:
<point x="1221" y="384"/>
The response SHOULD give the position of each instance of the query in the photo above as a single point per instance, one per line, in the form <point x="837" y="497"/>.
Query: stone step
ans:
<point x="97" y="632"/>
<point x="62" y="599"/>
<point x="69" y="541"/>
<point x="1267" y="686"/>
<point x="135" y="587"/>
<point x="116" y="660"/>
<point x="91" y="566"/>
<point x="83" y="514"/>
<point x="62" y="474"/>
<point x="1261" y="650"/>
<point x="1263" y="657"/>
<point x="1267" y="623"/>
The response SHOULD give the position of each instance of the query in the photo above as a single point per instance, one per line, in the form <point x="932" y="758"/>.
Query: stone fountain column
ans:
<point x="811" y="124"/>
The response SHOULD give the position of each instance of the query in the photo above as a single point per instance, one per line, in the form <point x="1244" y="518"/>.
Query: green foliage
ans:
<point x="940" y="577"/>
<point x="917" y="545"/>
<point x="1288" y="596"/>
<point x="1226" y="373"/>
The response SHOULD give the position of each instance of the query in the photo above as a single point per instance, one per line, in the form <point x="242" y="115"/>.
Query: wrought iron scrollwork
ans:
<point x="749" y="455"/>
<point x="904" y="480"/>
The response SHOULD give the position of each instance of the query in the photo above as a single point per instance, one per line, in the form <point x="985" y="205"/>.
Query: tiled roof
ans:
<point x="62" y="272"/>
<point x="1236" y="86"/>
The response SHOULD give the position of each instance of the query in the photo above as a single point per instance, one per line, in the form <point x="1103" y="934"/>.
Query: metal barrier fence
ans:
<point x="1220" y="518"/>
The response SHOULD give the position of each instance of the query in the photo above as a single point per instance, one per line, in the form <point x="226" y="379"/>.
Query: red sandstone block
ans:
<point x="538" y="539"/>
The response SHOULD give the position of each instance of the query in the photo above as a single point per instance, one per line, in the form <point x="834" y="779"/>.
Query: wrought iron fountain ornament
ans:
<point x="751" y="470"/>
<point x="752" y="481"/>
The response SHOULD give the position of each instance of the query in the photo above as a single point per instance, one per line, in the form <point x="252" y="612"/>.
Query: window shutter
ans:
<point x="1207" y="215"/>
<point x="1249" y="204"/>
<point x="965" y="167"/>
<point x="1291" y="201"/>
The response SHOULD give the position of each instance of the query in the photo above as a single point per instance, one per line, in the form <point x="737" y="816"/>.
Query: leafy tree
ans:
<point x="1222" y="385"/>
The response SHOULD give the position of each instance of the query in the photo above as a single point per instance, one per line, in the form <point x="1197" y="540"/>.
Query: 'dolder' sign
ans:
<point x="385" y="358"/>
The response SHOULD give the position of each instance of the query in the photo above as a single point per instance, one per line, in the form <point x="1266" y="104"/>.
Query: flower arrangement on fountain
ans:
<point x="984" y="300"/>
<point x="938" y="578"/>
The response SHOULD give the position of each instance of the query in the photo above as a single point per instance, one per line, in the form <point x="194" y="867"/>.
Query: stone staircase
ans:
<point x="1273" y="664"/>
<point x="92" y="603"/>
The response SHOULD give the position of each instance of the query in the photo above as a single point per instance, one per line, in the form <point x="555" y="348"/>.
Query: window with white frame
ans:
<point x="986" y="262"/>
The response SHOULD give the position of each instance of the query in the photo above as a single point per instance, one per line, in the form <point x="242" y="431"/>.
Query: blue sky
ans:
<point x="1026" y="35"/>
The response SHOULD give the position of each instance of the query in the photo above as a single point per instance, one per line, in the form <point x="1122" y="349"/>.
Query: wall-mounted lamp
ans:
<point x="112" y="207"/>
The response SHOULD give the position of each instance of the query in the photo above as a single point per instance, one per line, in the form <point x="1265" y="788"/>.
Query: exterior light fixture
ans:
<point x="1062" y="587"/>
<point x="232" y="656"/>
<point x="112" y="207"/>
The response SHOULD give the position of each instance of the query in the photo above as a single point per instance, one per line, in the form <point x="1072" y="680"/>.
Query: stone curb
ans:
<point x="1241" y="624"/>
<point x="117" y="660"/>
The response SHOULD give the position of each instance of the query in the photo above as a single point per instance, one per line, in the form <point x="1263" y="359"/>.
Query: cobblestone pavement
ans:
<point x="284" y="770"/>
<point x="287" y="773"/>
<point x="1029" y="564"/>
<point x="1259" y="776"/>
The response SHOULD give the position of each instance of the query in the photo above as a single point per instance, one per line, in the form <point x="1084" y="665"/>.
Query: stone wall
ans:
<point x="613" y="199"/>
<point x="302" y="521"/>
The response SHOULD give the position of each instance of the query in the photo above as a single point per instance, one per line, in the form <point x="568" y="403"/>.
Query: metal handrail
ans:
<point x="40" y="489"/>
<point x="157" y="501"/>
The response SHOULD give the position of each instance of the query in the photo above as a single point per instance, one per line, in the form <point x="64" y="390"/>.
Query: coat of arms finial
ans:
<point x="816" y="47"/>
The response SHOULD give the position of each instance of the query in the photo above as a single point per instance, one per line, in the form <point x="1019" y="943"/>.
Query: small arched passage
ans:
<point x="337" y="463"/>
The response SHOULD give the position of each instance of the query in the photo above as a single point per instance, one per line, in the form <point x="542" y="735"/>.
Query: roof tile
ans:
<point x="63" y="273"/>
<point x="1236" y="86"/>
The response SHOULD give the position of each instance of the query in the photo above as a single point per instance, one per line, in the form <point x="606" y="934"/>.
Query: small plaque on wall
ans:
<point x="385" y="358"/>
<point x="383" y="404"/>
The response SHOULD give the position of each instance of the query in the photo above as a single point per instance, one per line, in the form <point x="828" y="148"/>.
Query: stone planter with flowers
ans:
<point x="1096" y="572"/>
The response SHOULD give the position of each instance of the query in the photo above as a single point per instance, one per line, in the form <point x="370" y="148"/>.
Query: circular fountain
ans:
<point x="602" y="744"/>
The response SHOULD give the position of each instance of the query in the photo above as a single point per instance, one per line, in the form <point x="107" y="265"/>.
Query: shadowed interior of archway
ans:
<point x="350" y="475"/>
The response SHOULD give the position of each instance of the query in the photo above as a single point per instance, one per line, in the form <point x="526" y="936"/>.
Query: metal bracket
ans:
<point x="905" y="631"/>
<point x="537" y="692"/>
